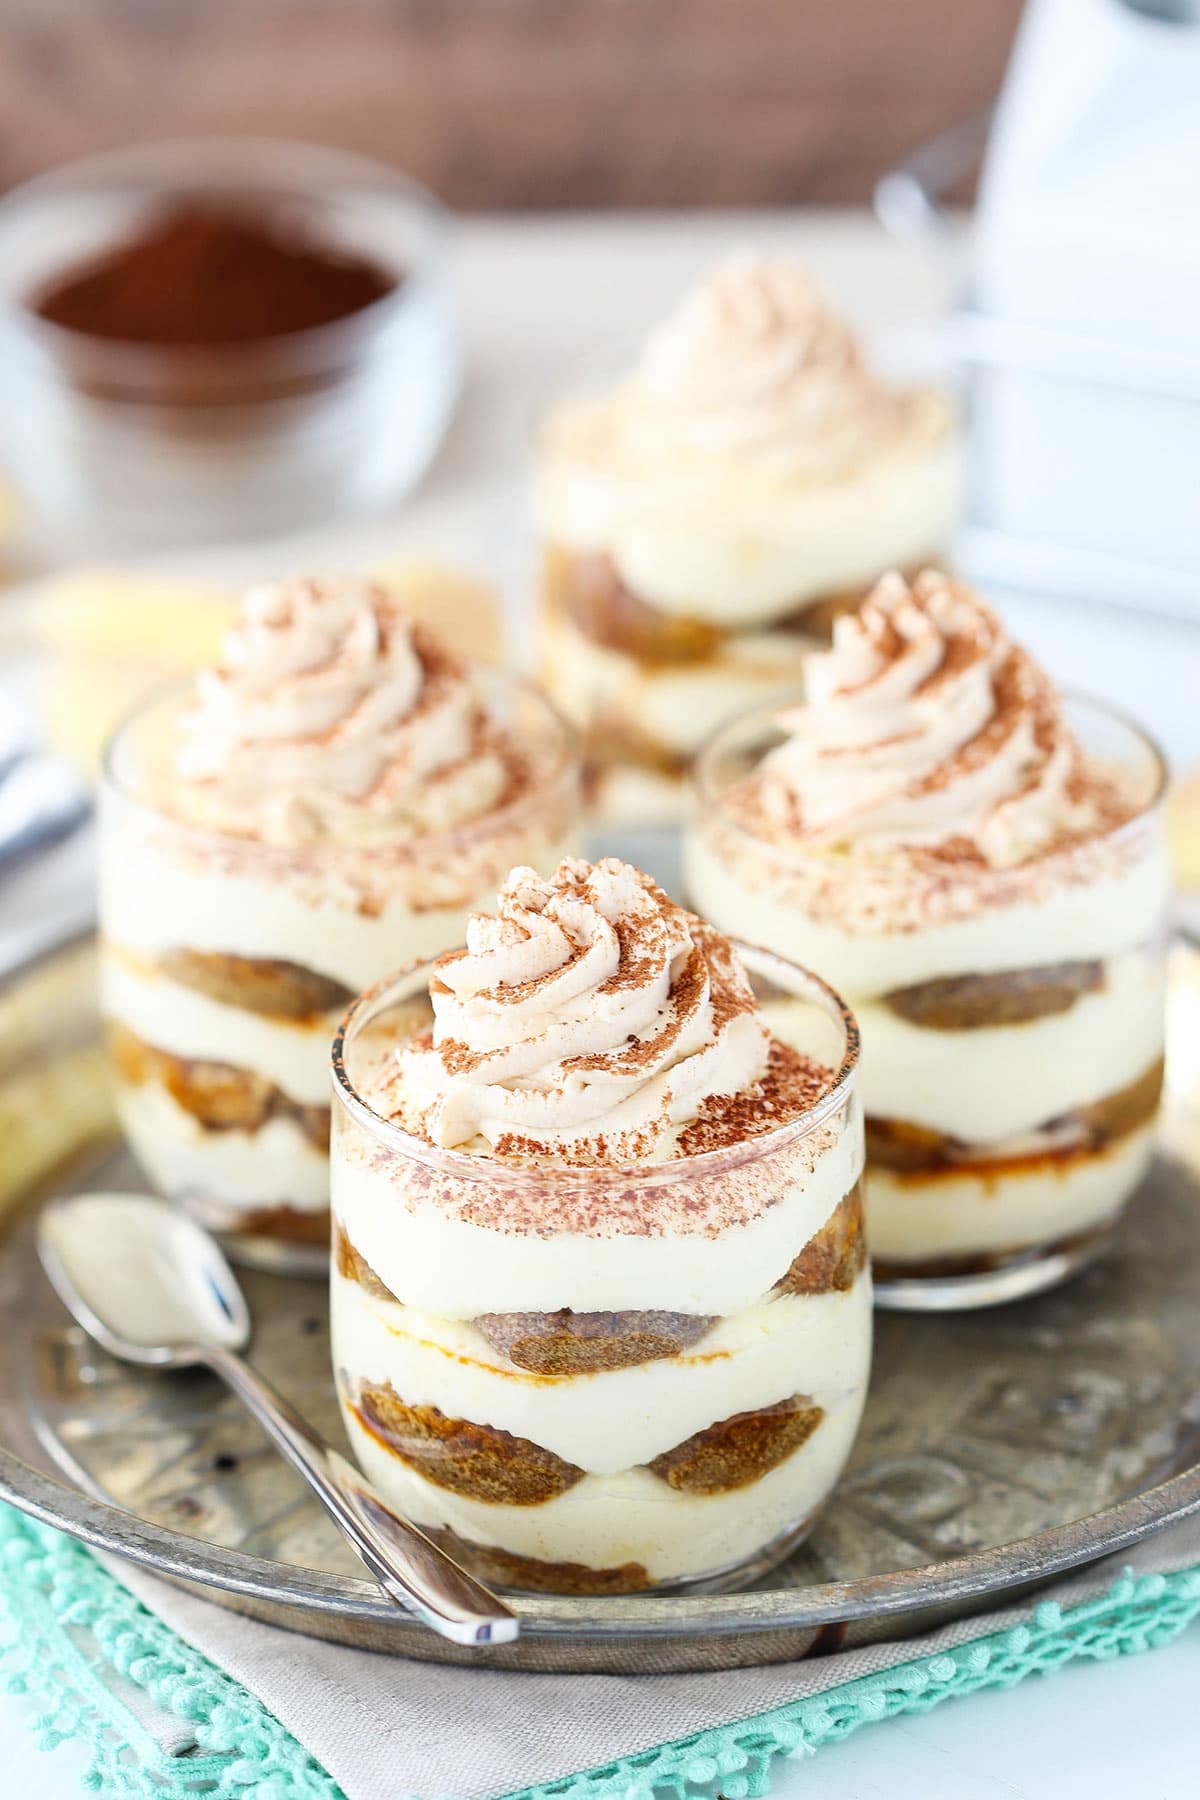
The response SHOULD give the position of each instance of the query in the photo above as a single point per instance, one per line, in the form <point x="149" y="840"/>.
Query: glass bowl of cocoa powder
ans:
<point x="220" y="338"/>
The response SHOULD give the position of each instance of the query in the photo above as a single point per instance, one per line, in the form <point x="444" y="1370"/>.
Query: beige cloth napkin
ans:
<point x="388" y="1728"/>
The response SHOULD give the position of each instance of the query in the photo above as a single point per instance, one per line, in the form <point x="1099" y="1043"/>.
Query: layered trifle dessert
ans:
<point x="979" y="864"/>
<point x="703" y="517"/>
<point x="332" y="798"/>
<point x="600" y="1310"/>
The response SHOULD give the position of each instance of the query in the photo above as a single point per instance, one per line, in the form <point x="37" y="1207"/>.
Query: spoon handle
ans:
<point x="408" y="1565"/>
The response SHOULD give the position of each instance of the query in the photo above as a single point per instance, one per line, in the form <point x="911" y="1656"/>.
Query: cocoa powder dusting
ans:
<point x="687" y="993"/>
<point x="790" y="1085"/>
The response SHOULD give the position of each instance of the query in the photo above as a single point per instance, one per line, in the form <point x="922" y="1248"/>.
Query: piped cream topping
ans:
<point x="333" y="717"/>
<point x="925" y="726"/>
<point x="754" y="363"/>
<point x="587" y="1021"/>
<point x="753" y="370"/>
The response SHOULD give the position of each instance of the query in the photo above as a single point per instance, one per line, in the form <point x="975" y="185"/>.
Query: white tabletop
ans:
<point x="529" y="291"/>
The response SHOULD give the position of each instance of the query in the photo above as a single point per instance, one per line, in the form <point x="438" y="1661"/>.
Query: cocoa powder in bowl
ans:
<point x="203" y="273"/>
<point x="219" y="338"/>
<point x="207" y="289"/>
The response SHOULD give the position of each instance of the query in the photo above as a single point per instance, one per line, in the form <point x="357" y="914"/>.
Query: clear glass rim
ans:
<point x="707" y="797"/>
<point x="179" y="166"/>
<point x="567" y="765"/>
<point x="463" y="1165"/>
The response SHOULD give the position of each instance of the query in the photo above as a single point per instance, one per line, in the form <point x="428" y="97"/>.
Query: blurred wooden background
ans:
<point x="516" y="103"/>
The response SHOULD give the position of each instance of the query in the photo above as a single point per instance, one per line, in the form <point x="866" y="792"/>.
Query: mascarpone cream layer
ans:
<point x="292" y="1054"/>
<point x="463" y="1269"/>
<point x="1088" y="921"/>
<point x="155" y="896"/>
<point x="230" y="1170"/>
<point x="976" y="1215"/>
<point x="714" y="545"/>
<point x="818" y="1345"/>
<point x="996" y="1082"/>
<point x="607" y="1520"/>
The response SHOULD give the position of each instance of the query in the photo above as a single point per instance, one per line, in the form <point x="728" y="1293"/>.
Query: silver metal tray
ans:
<point x="998" y="1448"/>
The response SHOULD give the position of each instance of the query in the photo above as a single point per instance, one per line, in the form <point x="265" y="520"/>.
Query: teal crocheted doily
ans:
<point x="72" y="1636"/>
<point x="67" y="1628"/>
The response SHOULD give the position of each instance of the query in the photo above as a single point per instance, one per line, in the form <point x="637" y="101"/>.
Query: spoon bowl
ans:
<point x="143" y="1279"/>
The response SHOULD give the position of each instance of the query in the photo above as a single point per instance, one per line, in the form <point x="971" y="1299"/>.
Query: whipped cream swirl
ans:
<point x="586" y="1021"/>
<point x="333" y="717"/>
<point x="926" y="726"/>
<point x="754" y="366"/>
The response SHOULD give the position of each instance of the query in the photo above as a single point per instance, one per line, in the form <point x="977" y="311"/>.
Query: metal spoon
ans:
<point x="153" y="1288"/>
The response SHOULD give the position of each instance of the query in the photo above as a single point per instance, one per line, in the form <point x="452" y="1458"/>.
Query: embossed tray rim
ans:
<point x="351" y="1609"/>
<point x="958" y="1582"/>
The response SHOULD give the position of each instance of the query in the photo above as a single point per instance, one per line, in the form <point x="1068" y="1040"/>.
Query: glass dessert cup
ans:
<point x="127" y="442"/>
<point x="603" y="1380"/>
<point x="1012" y="1019"/>
<point x="227" y="961"/>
